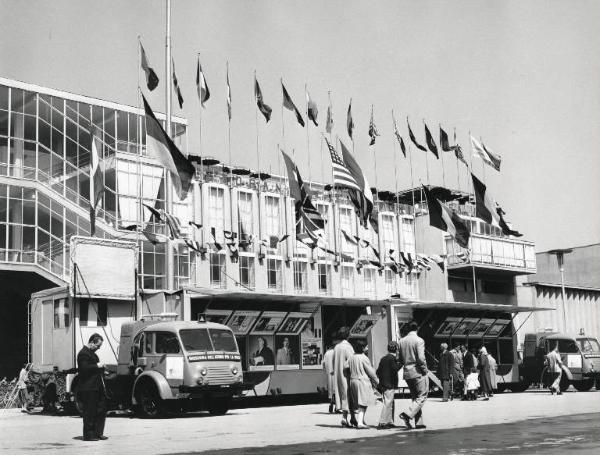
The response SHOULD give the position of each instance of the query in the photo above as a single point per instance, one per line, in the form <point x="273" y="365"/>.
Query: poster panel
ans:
<point x="363" y="325"/>
<point x="268" y="323"/>
<point x="482" y="326"/>
<point x="261" y="357"/>
<point x="286" y="356"/>
<point x="312" y="342"/>
<point x="217" y="316"/>
<point x="294" y="323"/>
<point x="465" y="326"/>
<point x="242" y="321"/>
<point x="448" y="327"/>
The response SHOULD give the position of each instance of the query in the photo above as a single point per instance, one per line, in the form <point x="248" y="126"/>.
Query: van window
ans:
<point x="223" y="340"/>
<point x="564" y="346"/>
<point x="166" y="343"/>
<point x="589" y="345"/>
<point x="195" y="340"/>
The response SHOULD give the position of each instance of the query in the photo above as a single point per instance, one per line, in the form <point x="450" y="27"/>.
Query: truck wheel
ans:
<point x="219" y="406"/>
<point x="584" y="385"/>
<point x="518" y="387"/>
<point x="150" y="404"/>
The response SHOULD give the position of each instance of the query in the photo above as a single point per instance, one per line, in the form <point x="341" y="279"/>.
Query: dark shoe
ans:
<point x="559" y="393"/>
<point x="331" y="408"/>
<point x="391" y="425"/>
<point x="102" y="437"/>
<point x="345" y="423"/>
<point x="406" y="419"/>
<point x="420" y="427"/>
<point x="91" y="439"/>
<point x="444" y="401"/>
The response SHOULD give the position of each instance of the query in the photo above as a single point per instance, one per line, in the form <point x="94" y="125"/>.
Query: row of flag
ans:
<point x="479" y="148"/>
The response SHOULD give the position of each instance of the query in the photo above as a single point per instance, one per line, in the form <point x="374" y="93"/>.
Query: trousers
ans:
<point x="387" y="411"/>
<point x="94" y="412"/>
<point x="419" y="389"/>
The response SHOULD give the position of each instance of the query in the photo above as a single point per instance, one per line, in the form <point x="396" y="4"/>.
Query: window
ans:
<point x="386" y="230"/>
<point x="93" y="313"/>
<point x="407" y="236"/>
<point x="410" y="285"/>
<point x="166" y="343"/>
<point x="223" y="340"/>
<point x="498" y="287"/>
<point x="324" y="276"/>
<point x="369" y="281"/>
<point x="217" y="270"/>
<point x="245" y="218"/>
<point x="61" y="314"/>
<point x="324" y="211"/>
<point x="347" y="224"/>
<point x="216" y="211"/>
<point x="272" y="216"/>
<point x="390" y="282"/>
<point x="246" y="264"/>
<point x="347" y="281"/>
<point x="195" y="340"/>
<point x="274" y="281"/>
<point x="300" y="278"/>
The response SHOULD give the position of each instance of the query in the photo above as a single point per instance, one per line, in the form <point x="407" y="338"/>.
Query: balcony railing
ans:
<point x="501" y="252"/>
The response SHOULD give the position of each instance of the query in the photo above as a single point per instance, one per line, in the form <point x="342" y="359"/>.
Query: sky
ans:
<point x="522" y="76"/>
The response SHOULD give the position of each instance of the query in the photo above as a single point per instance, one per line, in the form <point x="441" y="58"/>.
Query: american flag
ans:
<point x="342" y="177"/>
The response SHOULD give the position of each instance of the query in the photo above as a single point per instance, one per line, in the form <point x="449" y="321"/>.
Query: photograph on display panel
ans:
<point x="261" y="353"/>
<point x="242" y="321"/>
<point x="294" y="323"/>
<point x="363" y="325"/>
<point x="268" y="322"/>
<point x="312" y="342"/>
<point x="217" y="316"/>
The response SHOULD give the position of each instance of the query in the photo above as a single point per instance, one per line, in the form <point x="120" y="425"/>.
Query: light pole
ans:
<point x="560" y="253"/>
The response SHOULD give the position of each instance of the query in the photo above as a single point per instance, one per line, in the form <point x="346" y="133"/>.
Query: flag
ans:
<point x="349" y="238"/>
<point x="151" y="77"/>
<point x="373" y="133"/>
<point x="442" y="217"/>
<point x="459" y="155"/>
<point x="413" y="139"/>
<point x="158" y="214"/>
<point x="444" y="141"/>
<point x="154" y="238"/>
<point x="484" y="206"/>
<point x="329" y="123"/>
<point x="308" y="218"/>
<point x="506" y="229"/>
<point x="228" y="94"/>
<point x="342" y="177"/>
<point x="349" y="121"/>
<point x="361" y="198"/>
<point x="176" y="87"/>
<point x="160" y="145"/>
<point x="196" y="225"/>
<point x="289" y="104"/>
<point x="262" y="107"/>
<point x="488" y="158"/>
<point x="430" y="142"/>
<point x="215" y="245"/>
<point x="193" y="244"/>
<point x="174" y="225"/>
<point x="311" y="110"/>
<point x="96" y="184"/>
<point x="406" y="258"/>
<point x="202" y="87"/>
<point x="400" y="140"/>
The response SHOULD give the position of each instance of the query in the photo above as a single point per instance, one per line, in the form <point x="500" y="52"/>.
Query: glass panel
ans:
<point x="195" y="340"/>
<point x="166" y="343"/>
<point x="30" y="103"/>
<point x="16" y="100"/>
<point x="223" y="340"/>
<point x="3" y="97"/>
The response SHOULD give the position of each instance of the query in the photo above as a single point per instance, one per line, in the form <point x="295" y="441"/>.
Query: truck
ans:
<point x="166" y="365"/>
<point x="581" y="368"/>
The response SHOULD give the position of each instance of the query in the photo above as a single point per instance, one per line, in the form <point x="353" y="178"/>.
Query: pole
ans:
<point x="308" y="139"/>
<point x="375" y="163"/>
<point x="229" y="127"/>
<point x="168" y="184"/>
<point x="560" y="257"/>
<point x="474" y="284"/>
<point x="395" y="169"/>
<point x="441" y="152"/>
<point x="457" y="170"/>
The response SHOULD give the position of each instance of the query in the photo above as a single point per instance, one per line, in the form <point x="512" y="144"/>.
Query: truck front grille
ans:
<point x="220" y="375"/>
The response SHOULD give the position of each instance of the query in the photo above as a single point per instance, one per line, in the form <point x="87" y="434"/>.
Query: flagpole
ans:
<point x="331" y="112"/>
<point x="395" y="168"/>
<point x="426" y="160"/>
<point x="441" y="151"/>
<point x="282" y="122"/>
<point x="375" y="161"/>
<point x="229" y="127"/>
<point x="200" y="134"/>
<point x="412" y="181"/>
<point x="308" y="138"/>
<point x="457" y="170"/>
<point x="470" y="251"/>
<point x="258" y="172"/>
<point x="139" y="154"/>
<point x="168" y="184"/>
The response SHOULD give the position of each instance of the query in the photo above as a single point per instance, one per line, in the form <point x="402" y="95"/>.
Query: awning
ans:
<point x="219" y="295"/>
<point x="490" y="307"/>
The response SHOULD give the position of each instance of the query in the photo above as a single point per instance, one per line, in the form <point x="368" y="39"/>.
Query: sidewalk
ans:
<point x="21" y="433"/>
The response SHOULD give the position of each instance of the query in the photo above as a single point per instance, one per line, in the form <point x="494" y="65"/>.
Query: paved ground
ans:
<point x="261" y="427"/>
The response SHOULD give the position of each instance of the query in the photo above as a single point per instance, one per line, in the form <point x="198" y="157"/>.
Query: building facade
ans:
<point x="243" y="222"/>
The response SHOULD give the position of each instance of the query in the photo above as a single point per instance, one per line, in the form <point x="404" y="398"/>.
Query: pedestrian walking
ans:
<point x="445" y="370"/>
<point x="91" y="389"/>
<point x="484" y="373"/>
<point x="328" y="370"/>
<point x="387" y="373"/>
<point x="362" y="381"/>
<point x="493" y="376"/>
<point x="555" y="366"/>
<point x="412" y="357"/>
<point x="22" y="388"/>
<point x="341" y="355"/>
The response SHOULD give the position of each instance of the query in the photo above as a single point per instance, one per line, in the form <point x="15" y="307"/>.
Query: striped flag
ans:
<point x="202" y="87"/>
<point x="488" y="157"/>
<point x="228" y="94"/>
<point x="96" y="184"/>
<point x="151" y="77"/>
<point x="329" y="123"/>
<point x="174" y="225"/>
<point x="160" y="146"/>
<point x="342" y="177"/>
<point x="361" y="198"/>
<point x="176" y="87"/>
<point x="373" y="133"/>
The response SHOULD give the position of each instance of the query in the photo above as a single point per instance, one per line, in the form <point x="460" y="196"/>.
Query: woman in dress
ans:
<point x="484" y="373"/>
<point x="362" y="380"/>
<point x="493" y="377"/>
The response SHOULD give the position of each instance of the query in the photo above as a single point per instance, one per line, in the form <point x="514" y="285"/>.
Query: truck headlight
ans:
<point x="203" y="371"/>
<point x="234" y="371"/>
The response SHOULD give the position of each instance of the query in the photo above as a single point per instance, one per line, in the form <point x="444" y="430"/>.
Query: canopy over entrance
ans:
<point x="494" y="308"/>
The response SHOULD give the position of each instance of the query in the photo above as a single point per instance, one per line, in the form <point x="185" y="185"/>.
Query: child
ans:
<point x="472" y="384"/>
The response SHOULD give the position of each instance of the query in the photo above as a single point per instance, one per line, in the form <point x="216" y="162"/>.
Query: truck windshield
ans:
<point x="195" y="340"/>
<point x="566" y="346"/>
<point x="223" y="340"/>
<point x="589" y="344"/>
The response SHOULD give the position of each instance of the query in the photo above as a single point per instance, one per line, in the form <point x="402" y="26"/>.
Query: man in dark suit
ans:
<point x="387" y="372"/>
<point x="91" y="390"/>
<point x="445" y="369"/>
<point x="412" y="357"/>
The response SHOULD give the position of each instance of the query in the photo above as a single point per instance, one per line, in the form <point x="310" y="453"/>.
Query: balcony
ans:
<point x="513" y="256"/>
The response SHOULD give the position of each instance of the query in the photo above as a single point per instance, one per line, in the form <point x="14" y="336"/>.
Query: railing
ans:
<point x="39" y="258"/>
<point x="494" y="251"/>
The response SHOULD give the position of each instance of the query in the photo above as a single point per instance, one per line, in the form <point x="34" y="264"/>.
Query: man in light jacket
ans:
<point x="412" y="357"/>
<point x="555" y="369"/>
<point x="341" y="354"/>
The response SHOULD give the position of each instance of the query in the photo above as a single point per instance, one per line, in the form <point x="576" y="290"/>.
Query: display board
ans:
<point x="363" y="325"/>
<point x="448" y="327"/>
<point x="480" y="328"/>
<point x="465" y="326"/>
<point x="312" y="342"/>
<point x="217" y="316"/>
<point x="242" y="321"/>
<point x="268" y="322"/>
<point x="497" y="328"/>
<point x="294" y="323"/>
<point x="262" y="357"/>
<point x="103" y="268"/>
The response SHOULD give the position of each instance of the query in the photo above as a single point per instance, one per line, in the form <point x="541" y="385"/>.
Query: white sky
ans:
<point x="523" y="76"/>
